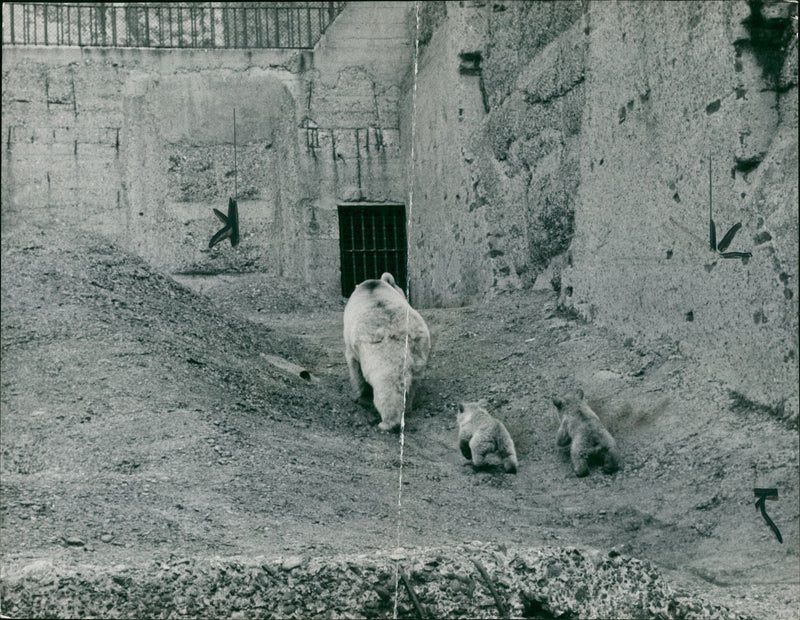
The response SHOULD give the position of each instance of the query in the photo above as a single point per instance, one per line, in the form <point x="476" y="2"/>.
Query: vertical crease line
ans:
<point x="235" y="171"/>
<point x="408" y="311"/>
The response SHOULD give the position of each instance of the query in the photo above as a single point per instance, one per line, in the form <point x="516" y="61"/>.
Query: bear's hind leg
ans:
<point x="478" y="456"/>
<point x="389" y="403"/>
<point x="610" y="461"/>
<point x="578" y="458"/>
<point x="358" y="384"/>
<point x="463" y="444"/>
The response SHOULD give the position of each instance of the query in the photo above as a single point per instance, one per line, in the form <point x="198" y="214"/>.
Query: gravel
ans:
<point x="547" y="582"/>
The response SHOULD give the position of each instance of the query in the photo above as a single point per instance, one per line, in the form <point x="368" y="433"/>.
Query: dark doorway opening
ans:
<point x="372" y="240"/>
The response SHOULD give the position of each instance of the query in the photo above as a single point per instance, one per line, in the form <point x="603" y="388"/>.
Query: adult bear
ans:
<point x="386" y="347"/>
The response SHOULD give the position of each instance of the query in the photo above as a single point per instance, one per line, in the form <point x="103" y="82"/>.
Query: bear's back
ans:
<point x="475" y="419"/>
<point x="378" y="309"/>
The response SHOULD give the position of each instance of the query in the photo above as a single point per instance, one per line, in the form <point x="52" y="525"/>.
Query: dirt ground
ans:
<point x="152" y="417"/>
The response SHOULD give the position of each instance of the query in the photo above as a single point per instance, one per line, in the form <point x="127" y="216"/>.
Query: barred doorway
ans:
<point x="372" y="240"/>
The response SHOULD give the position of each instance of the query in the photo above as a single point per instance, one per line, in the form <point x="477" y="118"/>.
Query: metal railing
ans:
<point x="287" y="25"/>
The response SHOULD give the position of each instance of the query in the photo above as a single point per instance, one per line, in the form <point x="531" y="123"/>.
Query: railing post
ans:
<point x="11" y="8"/>
<point x="291" y="27"/>
<point x="308" y="26"/>
<point x="225" y="28"/>
<point x="266" y="25"/>
<point x="244" y="27"/>
<point x="161" y="27"/>
<point x="277" y="32"/>
<point x="147" y="26"/>
<point x="213" y="12"/>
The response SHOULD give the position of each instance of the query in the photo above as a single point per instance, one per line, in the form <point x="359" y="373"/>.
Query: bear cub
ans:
<point x="483" y="438"/>
<point x="590" y="441"/>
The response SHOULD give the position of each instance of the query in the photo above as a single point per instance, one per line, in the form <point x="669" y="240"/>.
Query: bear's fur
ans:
<point x="483" y="439"/>
<point x="378" y="325"/>
<point x="590" y="441"/>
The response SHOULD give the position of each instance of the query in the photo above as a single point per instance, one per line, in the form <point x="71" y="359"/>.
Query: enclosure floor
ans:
<point x="141" y="418"/>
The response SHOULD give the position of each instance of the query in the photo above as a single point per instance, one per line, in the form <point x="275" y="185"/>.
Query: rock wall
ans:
<point x="496" y="122"/>
<point x="545" y="127"/>
<point x="520" y="583"/>
<point x="138" y="143"/>
<point x="668" y="88"/>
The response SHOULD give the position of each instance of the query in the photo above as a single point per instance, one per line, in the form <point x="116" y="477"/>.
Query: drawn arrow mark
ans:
<point x="231" y="222"/>
<point x="763" y="495"/>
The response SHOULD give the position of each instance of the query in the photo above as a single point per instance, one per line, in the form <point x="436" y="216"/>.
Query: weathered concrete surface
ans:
<point x="351" y="91"/>
<point x="138" y="143"/>
<point x="498" y="111"/>
<point x="589" y="127"/>
<point x="668" y="86"/>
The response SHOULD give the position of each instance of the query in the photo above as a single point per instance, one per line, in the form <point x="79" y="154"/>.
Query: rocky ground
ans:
<point x="161" y="456"/>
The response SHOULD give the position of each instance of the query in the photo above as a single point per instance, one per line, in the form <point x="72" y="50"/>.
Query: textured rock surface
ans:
<point x="498" y="111"/>
<point x="668" y="86"/>
<point x="547" y="127"/>
<point x="545" y="582"/>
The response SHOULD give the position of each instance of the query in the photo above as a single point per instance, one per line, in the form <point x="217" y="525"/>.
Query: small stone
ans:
<point x="73" y="542"/>
<point x="292" y="562"/>
<point x="607" y="375"/>
<point x="106" y="538"/>
<point x="37" y="569"/>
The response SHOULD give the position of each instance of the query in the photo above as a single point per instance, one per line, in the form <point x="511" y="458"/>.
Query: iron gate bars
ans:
<point x="372" y="240"/>
<point x="250" y="25"/>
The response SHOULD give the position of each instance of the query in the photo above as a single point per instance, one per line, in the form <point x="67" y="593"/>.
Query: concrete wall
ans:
<point x="138" y="143"/>
<point x="588" y="127"/>
<point x="351" y="93"/>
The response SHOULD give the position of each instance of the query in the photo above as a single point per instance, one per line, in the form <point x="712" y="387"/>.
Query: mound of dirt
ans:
<point x="151" y="424"/>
